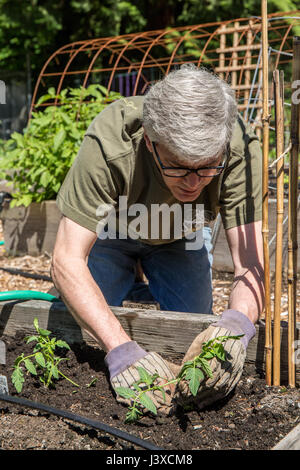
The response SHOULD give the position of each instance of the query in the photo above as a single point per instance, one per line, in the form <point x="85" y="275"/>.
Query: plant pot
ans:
<point x="30" y="230"/>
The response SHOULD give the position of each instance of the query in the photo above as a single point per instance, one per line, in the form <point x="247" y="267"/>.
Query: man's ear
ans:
<point x="148" y="142"/>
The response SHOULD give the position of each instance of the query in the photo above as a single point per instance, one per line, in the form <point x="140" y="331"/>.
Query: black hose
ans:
<point x="80" y="419"/>
<point x="19" y="272"/>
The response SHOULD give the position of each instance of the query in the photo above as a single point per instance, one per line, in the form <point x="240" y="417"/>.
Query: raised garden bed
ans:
<point x="253" y="417"/>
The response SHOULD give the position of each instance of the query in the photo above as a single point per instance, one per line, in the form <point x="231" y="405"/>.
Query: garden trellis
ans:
<point x="248" y="52"/>
<point x="130" y="63"/>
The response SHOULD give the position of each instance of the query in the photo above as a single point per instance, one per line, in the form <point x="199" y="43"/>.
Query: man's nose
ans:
<point x="192" y="180"/>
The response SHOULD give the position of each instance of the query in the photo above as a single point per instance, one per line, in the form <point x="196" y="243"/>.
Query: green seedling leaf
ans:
<point x="54" y="371"/>
<point x="145" y="376"/>
<point x="37" y="347"/>
<point x="44" y="332"/>
<point x="132" y="415"/>
<point x="40" y="359"/>
<point x="136" y="387"/>
<point x="92" y="383"/>
<point x="194" y="377"/>
<point x="44" y="356"/>
<point x="205" y="366"/>
<point x="208" y="355"/>
<point x="30" y="366"/>
<point x="28" y="339"/>
<point x="62" y="344"/>
<point x="19" y="360"/>
<point x="219" y="351"/>
<point x="17" y="379"/>
<point x="36" y="324"/>
<point x="125" y="392"/>
<point x="148" y="403"/>
<point x="163" y="393"/>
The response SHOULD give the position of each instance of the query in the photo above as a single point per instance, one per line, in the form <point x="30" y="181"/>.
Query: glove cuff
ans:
<point x="238" y="323"/>
<point x="122" y="357"/>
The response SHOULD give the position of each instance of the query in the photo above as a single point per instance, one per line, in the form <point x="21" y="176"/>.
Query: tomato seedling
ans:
<point x="45" y="363"/>
<point x="193" y="372"/>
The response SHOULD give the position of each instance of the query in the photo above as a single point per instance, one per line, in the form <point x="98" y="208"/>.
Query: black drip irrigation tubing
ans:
<point x="80" y="419"/>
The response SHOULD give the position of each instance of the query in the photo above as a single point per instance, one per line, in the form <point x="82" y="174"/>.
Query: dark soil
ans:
<point x="253" y="417"/>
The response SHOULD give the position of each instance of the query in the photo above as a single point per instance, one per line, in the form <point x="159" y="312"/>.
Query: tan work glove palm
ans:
<point x="225" y="374"/>
<point x="153" y="363"/>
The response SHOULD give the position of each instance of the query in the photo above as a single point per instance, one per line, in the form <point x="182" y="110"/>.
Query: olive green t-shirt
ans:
<point x="114" y="168"/>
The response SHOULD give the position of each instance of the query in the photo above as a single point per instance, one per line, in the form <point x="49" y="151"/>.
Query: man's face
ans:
<point x="189" y="187"/>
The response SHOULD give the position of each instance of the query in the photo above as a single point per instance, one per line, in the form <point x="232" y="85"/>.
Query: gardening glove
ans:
<point x="225" y="374"/>
<point x="122" y="363"/>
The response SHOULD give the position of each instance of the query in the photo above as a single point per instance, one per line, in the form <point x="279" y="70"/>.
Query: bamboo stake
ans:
<point x="235" y="56"/>
<point x="258" y="129"/>
<point x="292" y="214"/>
<point x="279" y="129"/>
<point x="265" y="196"/>
<point x="221" y="50"/>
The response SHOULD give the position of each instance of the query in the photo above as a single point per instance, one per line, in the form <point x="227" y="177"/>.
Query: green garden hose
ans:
<point x="27" y="295"/>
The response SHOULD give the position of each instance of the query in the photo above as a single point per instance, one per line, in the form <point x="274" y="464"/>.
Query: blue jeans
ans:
<point x="179" y="279"/>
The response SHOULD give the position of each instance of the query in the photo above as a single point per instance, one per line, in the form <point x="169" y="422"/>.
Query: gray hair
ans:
<point x="191" y="112"/>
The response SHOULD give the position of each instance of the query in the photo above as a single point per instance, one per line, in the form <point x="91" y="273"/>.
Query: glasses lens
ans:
<point x="209" y="172"/>
<point x="181" y="172"/>
<point x="176" y="172"/>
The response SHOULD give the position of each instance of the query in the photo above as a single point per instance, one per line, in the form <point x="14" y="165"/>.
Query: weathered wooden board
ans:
<point x="30" y="230"/>
<point x="168" y="333"/>
<point x="291" y="441"/>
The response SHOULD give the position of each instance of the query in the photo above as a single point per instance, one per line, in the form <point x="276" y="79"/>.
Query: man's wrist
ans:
<point x="237" y="323"/>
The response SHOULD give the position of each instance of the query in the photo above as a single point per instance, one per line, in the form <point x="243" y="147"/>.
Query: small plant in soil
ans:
<point x="42" y="362"/>
<point x="193" y="372"/>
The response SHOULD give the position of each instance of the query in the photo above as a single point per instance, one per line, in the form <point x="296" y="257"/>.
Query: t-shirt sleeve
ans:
<point x="241" y="189"/>
<point x="89" y="184"/>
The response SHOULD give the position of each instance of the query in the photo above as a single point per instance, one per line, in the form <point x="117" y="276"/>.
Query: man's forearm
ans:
<point x="86" y="302"/>
<point x="247" y="295"/>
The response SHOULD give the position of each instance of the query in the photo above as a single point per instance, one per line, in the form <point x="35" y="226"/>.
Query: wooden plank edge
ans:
<point x="291" y="441"/>
<point x="168" y="333"/>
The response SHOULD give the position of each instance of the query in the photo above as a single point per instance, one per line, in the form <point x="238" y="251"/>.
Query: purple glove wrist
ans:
<point x="123" y="356"/>
<point x="238" y="323"/>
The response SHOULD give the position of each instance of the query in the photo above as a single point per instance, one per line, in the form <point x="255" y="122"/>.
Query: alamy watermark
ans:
<point x="296" y="93"/>
<point x="2" y="92"/>
<point x="157" y="222"/>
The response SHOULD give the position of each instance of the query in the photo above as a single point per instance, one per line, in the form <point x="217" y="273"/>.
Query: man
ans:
<point x="184" y="146"/>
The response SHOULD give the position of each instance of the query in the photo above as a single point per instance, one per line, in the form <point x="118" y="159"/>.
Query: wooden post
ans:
<point x="265" y="190"/>
<point x="293" y="212"/>
<point x="235" y="63"/>
<point x="222" y="46"/>
<point x="279" y="129"/>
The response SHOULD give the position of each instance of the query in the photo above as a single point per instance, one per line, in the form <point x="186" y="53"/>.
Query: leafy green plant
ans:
<point x="193" y="372"/>
<point x="138" y="395"/>
<point x="42" y="362"/>
<point x="36" y="161"/>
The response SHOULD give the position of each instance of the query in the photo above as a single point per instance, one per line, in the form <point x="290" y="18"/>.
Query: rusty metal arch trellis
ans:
<point x="155" y="53"/>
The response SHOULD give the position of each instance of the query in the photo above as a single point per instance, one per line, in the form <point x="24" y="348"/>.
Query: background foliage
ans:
<point x="31" y="30"/>
<point x="36" y="161"/>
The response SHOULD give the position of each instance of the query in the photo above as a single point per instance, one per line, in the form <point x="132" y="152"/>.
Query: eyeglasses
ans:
<point x="178" y="172"/>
